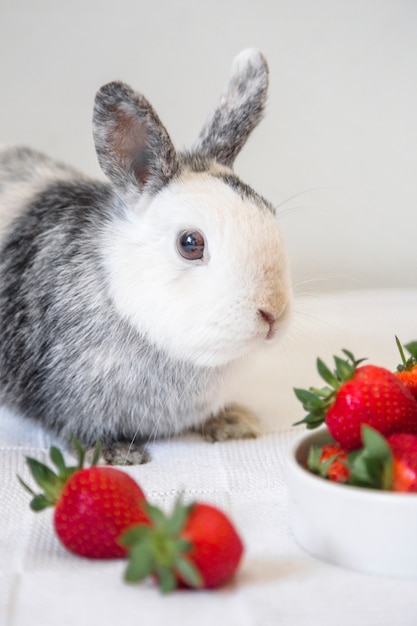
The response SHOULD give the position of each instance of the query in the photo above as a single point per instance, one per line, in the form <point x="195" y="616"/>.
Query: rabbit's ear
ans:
<point x="133" y="148"/>
<point x="239" y="110"/>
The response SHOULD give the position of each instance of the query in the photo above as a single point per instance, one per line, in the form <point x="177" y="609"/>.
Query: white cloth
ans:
<point x="278" y="584"/>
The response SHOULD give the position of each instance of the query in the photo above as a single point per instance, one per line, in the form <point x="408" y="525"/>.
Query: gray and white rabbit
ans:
<point x="123" y="304"/>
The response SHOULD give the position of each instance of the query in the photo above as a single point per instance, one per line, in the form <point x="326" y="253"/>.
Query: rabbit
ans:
<point x="125" y="303"/>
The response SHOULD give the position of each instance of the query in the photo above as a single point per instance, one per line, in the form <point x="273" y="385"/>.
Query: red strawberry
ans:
<point x="381" y="463"/>
<point x="329" y="461"/>
<point x="407" y="371"/>
<point x="355" y="396"/>
<point x="404" y="450"/>
<point x="93" y="505"/>
<point x="409" y="379"/>
<point x="197" y="546"/>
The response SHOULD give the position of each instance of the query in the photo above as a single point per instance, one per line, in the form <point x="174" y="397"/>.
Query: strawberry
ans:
<point x="93" y="505"/>
<point x="358" y="395"/>
<point x="404" y="450"/>
<point x="329" y="461"/>
<point x="407" y="371"/>
<point x="197" y="546"/>
<point x="381" y="463"/>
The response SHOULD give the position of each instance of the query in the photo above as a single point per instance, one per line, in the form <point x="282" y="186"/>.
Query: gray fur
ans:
<point x="197" y="162"/>
<point x="133" y="147"/>
<point x="20" y="164"/>
<point x="67" y="357"/>
<point x="239" y="110"/>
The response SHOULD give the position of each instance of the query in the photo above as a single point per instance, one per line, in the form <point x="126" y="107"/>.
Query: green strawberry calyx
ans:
<point x="50" y="481"/>
<point x="318" y="401"/>
<point x="372" y="465"/>
<point x="369" y="466"/>
<point x="315" y="463"/>
<point x="407" y="364"/>
<point x="159" y="550"/>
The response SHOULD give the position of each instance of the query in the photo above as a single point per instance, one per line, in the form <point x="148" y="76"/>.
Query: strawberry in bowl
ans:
<point x="352" y="482"/>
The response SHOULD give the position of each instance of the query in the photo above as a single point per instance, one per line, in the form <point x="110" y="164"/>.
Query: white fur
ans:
<point x="248" y="57"/>
<point x="206" y="312"/>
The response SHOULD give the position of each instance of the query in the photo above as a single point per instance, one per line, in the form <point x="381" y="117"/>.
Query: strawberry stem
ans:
<point x="407" y="364"/>
<point x="372" y="465"/>
<point x="160" y="550"/>
<point x="317" y="401"/>
<point x="411" y="347"/>
<point x="52" y="482"/>
<point x="316" y="465"/>
<point x="401" y="351"/>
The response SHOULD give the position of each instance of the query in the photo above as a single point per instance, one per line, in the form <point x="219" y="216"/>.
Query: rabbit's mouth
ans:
<point x="270" y="334"/>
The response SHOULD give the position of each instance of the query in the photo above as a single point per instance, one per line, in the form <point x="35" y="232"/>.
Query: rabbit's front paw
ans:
<point x="233" y="422"/>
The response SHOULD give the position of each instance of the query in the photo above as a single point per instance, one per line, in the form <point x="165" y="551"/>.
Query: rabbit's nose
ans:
<point x="270" y="320"/>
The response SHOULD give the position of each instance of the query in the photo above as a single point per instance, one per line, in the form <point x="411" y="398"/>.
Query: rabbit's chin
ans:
<point x="217" y="358"/>
<point x="223" y="351"/>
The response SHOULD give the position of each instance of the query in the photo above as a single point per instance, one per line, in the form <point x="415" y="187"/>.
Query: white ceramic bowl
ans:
<point x="361" y="529"/>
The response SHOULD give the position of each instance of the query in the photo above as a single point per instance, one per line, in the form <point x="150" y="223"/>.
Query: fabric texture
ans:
<point x="278" y="583"/>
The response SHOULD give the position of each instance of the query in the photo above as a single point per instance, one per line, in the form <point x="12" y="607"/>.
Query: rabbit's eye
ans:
<point x="190" y="245"/>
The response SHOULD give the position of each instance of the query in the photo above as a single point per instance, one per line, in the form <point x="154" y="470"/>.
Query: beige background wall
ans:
<point x="337" y="149"/>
